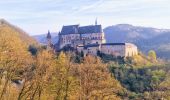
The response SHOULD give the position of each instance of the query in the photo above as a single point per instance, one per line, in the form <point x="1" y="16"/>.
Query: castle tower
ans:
<point x="59" y="39"/>
<point x="96" y="21"/>
<point x="49" y="44"/>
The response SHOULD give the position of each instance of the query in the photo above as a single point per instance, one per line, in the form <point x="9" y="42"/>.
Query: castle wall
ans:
<point x="116" y="50"/>
<point x="126" y="50"/>
<point x="93" y="50"/>
<point x="68" y="39"/>
<point x="80" y="48"/>
<point x="77" y="39"/>
<point x="89" y="50"/>
<point x="94" y="37"/>
<point x="131" y="50"/>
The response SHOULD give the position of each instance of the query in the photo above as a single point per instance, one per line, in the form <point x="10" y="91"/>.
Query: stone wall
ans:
<point x="130" y="50"/>
<point x="68" y="39"/>
<point x="116" y="50"/>
<point x="77" y="39"/>
<point x="123" y="50"/>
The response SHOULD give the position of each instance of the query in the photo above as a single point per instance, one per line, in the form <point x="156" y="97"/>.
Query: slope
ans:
<point x="4" y="25"/>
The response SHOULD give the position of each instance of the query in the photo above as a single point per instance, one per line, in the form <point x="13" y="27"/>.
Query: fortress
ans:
<point x="90" y="39"/>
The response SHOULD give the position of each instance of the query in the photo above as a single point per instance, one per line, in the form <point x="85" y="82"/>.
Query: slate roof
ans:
<point x="70" y="29"/>
<point x="113" y="44"/>
<point x="75" y="29"/>
<point x="90" y="45"/>
<point x="90" y="29"/>
<point x="48" y="35"/>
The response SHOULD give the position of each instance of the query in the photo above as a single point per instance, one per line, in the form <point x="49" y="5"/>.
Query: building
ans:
<point x="74" y="35"/>
<point x="91" y="49"/>
<point x="90" y="39"/>
<point x="50" y="46"/>
<point x="116" y="49"/>
<point x="119" y="49"/>
<point x="49" y="39"/>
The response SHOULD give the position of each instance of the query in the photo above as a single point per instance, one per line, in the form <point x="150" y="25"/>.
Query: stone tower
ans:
<point x="96" y="21"/>
<point x="59" y="39"/>
<point x="49" y="44"/>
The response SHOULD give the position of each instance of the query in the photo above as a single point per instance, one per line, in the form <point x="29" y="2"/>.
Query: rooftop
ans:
<point x="114" y="44"/>
<point x="70" y="29"/>
<point x="90" y="29"/>
<point x="76" y="29"/>
<point x="48" y="35"/>
<point x="89" y="45"/>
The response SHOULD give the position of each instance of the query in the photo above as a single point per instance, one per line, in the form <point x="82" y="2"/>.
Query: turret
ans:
<point x="49" y="44"/>
<point x="48" y="35"/>
<point x="96" y="21"/>
<point x="59" y="38"/>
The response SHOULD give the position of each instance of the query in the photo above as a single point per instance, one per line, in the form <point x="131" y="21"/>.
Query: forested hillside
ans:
<point x="49" y="76"/>
<point x="6" y="26"/>
<point x="39" y="73"/>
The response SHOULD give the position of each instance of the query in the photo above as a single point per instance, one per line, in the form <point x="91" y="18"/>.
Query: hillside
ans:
<point x="145" y="38"/>
<point x="27" y="76"/>
<point x="129" y="33"/>
<point x="4" y="25"/>
<point x="13" y="48"/>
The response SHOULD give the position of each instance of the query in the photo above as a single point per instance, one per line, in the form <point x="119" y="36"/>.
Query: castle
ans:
<point x="90" y="39"/>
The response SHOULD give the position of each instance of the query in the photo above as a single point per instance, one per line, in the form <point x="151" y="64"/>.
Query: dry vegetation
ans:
<point x="39" y="74"/>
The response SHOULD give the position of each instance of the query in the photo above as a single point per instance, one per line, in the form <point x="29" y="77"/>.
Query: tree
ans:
<point x="157" y="77"/>
<point x="14" y="60"/>
<point x="96" y="81"/>
<point x="64" y="84"/>
<point x="152" y="55"/>
<point x="32" y="49"/>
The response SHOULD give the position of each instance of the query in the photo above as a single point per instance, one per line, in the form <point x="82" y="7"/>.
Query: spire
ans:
<point x="48" y="35"/>
<point x="49" y="43"/>
<point x="96" y="21"/>
<point x="75" y="29"/>
<point x="59" y="33"/>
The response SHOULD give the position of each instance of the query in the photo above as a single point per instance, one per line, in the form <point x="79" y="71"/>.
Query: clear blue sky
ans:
<point x="37" y="16"/>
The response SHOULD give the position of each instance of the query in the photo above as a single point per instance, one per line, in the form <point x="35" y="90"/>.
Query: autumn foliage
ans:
<point x="32" y="72"/>
<point x="49" y="76"/>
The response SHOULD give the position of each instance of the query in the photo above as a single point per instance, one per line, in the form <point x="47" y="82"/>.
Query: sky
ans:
<point x="39" y="16"/>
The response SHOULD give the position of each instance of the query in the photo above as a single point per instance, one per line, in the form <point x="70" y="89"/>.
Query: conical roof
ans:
<point x="48" y="35"/>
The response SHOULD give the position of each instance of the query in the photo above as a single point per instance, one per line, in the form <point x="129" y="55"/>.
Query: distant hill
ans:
<point x="42" y="38"/>
<point x="15" y="45"/>
<point x="4" y="25"/>
<point x="145" y="38"/>
<point x="127" y="33"/>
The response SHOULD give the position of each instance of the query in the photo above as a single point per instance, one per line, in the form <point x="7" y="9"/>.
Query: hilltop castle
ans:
<point x="90" y="39"/>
